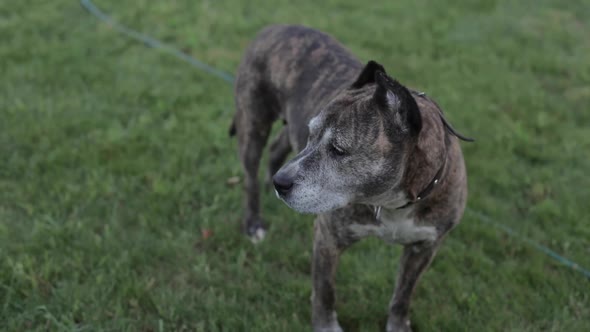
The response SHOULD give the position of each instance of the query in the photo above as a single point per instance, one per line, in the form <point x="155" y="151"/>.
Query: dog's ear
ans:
<point x="367" y="75"/>
<point x="392" y="96"/>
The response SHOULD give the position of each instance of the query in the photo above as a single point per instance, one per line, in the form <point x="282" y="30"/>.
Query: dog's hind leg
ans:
<point x="255" y="113"/>
<point x="252" y="140"/>
<point x="279" y="151"/>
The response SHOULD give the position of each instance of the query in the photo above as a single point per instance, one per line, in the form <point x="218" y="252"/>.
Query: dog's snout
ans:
<point x="282" y="182"/>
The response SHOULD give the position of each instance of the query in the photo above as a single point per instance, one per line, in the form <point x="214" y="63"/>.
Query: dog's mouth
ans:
<point x="279" y="196"/>
<point x="311" y="199"/>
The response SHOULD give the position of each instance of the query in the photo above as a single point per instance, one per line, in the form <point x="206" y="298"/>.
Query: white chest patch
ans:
<point x="395" y="228"/>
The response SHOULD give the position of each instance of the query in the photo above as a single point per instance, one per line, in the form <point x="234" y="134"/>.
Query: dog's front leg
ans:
<point x="414" y="261"/>
<point x="326" y="253"/>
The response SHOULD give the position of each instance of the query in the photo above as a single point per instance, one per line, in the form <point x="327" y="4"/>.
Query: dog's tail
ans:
<point x="232" y="128"/>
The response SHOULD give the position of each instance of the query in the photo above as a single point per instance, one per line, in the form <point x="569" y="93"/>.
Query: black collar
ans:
<point x="430" y="187"/>
<point x="446" y="123"/>
<point x="425" y="192"/>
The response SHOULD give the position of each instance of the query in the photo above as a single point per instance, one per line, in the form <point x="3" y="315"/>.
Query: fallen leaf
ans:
<point x="206" y="233"/>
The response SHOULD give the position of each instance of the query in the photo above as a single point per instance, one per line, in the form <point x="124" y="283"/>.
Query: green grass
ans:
<point x="114" y="159"/>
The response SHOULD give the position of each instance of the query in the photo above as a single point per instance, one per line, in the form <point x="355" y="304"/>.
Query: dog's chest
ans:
<point x="395" y="227"/>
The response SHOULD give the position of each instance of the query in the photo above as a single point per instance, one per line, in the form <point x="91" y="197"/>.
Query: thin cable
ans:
<point x="229" y="79"/>
<point x="152" y="42"/>
<point x="510" y="231"/>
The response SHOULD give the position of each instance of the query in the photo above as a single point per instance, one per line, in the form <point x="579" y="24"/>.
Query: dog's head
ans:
<point x="357" y="147"/>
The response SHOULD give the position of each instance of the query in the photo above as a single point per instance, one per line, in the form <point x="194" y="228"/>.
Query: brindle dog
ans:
<point x="374" y="158"/>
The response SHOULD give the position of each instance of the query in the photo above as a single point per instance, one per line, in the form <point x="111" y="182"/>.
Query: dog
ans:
<point x="374" y="158"/>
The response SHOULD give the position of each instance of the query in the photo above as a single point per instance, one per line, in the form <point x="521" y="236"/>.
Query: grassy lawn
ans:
<point x="116" y="214"/>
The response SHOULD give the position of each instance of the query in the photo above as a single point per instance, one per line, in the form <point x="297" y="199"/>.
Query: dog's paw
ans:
<point x="256" y="231"/>
<point x="258" y="235"/>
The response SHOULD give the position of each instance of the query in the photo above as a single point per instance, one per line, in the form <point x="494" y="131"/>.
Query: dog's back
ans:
<point x="295" y="70"/>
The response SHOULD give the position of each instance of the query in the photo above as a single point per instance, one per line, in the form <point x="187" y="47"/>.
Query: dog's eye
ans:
<point x="335" y="149"/>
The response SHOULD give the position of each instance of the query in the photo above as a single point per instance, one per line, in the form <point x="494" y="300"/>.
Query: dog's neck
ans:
<point x="431" y="185"/>
<point x="402" y="202"/>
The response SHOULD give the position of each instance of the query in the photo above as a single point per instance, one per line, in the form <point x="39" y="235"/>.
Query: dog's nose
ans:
<point x="283" y="183"/>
